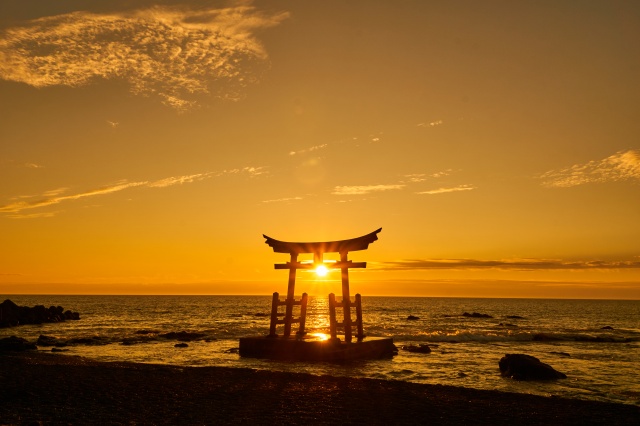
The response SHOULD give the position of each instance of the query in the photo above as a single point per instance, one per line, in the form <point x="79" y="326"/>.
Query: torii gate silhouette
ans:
<point x="318" y="249"/>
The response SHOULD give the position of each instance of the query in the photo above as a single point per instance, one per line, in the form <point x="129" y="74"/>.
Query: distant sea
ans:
<point x="596" y="343"/>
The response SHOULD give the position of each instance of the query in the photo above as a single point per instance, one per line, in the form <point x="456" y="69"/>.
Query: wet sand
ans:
<point x="44" y="388"/>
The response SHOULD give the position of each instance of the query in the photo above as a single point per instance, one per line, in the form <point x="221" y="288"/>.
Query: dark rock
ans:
<point x="147" y="332"/>
<point x="476" y="315"/>
<point x="560" y="353"/>
<point x="607" y="327"/>
<point x="412" y="318"/>
<point x="14" y="343"/>
<point x="9" y="314"/>
<point x="261" y="314"/>
<point x="514" y="317"/>
<point x="59" y="350"/>
<point x="180" y="345"/>
<point x="12" y="315"/>
<point x="47" y="341"/>
<point x="527" y="367"/>
<point x="90" y="341"/>
<point x="421" y="348"/>
<point x="542" y="337"/>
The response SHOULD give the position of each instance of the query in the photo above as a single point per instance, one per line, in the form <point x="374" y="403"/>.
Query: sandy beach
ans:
<point x="42" y="388"/>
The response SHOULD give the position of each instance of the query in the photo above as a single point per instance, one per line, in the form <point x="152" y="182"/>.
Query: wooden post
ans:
<point x="346" y="298"/>
<point x="359" y="316"/>
<point x="288" y="316"/>
<point x="303" y="314"/>
<point x="274" y="314"/>
<point x="332" y="316"/>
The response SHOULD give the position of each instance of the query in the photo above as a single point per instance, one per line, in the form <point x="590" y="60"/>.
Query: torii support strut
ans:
<point x="343" y="247"/>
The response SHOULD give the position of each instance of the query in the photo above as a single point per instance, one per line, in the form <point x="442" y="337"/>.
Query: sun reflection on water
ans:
<point x="319" y="336"/>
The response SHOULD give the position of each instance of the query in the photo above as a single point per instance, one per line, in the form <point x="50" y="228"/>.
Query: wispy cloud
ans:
<point x="55" y="192"/>
<point x="32" y="166"/>
<point x="32" y="215"/>
<point x="365" y="189"/>
<point x="171" y="52"/>
<point x="519" y="264"/>
<point x="431" y="123"/>
<point x="449" y="189"/>
<point x="623" y="165"/>
<point x="421" y="177"/>
<point x="310" y="149"/>
<point x="55" y="196"/>
<point x="18" y="206"/>
<point x="179" y="180"/>
<point x="280" y="200"/>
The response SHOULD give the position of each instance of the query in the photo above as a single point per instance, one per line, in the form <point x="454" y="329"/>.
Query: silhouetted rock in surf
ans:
<point x="527" y="367"/>
<point x="421" y="348"/>
<point x="412" y="318"/>
<point x="50" y="341"/>
<point x="476" y="315"/>
<point x="12" y="315"/>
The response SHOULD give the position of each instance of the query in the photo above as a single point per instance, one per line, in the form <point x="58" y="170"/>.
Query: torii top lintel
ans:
<point x="342" y="246"/>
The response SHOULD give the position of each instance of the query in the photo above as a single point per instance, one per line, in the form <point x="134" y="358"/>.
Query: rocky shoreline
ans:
<point x="45" y="388"/>
<point x="12" y="315"/>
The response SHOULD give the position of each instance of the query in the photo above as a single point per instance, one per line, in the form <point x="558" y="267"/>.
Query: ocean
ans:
<point x="596" y="343"/>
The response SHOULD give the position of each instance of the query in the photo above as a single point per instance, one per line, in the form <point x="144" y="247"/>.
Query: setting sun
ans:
<point x="322" y="270"/>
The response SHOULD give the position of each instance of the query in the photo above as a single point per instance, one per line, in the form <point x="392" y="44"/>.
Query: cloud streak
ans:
<point x="621" y="166"/>
<point x="55" y="196"/>
<point x="520" y="264"/>
<point x="365" y="189"/>
<point x="449" y="189"/>
<point x="281" y="200"/>
<point x="170" y="52"/>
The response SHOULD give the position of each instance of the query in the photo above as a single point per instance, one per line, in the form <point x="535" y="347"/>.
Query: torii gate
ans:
<point x="343" y="247"/>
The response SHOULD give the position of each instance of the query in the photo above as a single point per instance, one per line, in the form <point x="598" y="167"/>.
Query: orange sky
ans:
<point x="146" y="146"/>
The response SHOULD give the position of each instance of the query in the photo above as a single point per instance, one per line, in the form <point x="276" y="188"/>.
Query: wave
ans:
<point x="470" y="337"/>
<point x="139" y="337"/>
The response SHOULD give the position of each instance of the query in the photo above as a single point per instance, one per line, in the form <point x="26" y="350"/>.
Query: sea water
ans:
<point x="596" y="343"/>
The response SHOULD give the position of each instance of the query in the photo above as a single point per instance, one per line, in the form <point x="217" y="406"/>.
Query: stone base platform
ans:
<point x="316" y="347"/>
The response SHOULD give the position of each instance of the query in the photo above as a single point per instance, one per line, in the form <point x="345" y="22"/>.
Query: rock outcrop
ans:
<point x="12" y="315"/>
<point x="421" y="348"/>
<point x="527" y="367"/>
<point x="476" y="315"/>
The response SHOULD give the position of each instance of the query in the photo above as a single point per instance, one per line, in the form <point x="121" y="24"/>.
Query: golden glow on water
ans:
<point x="320" y="336"/>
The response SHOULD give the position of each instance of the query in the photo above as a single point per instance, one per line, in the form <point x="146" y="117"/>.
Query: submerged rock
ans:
<point x="44" y="340"/>
<point x="412" y="318"/>
<point x="180" y="345"/>
<point x="421" y="348"/>
<point x="527" y="367"/>
<point x="607" y="327"/>
<point x="476" y="315"/>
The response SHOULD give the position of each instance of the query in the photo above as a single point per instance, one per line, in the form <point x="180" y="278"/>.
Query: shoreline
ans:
<point x="55" y="388"/>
